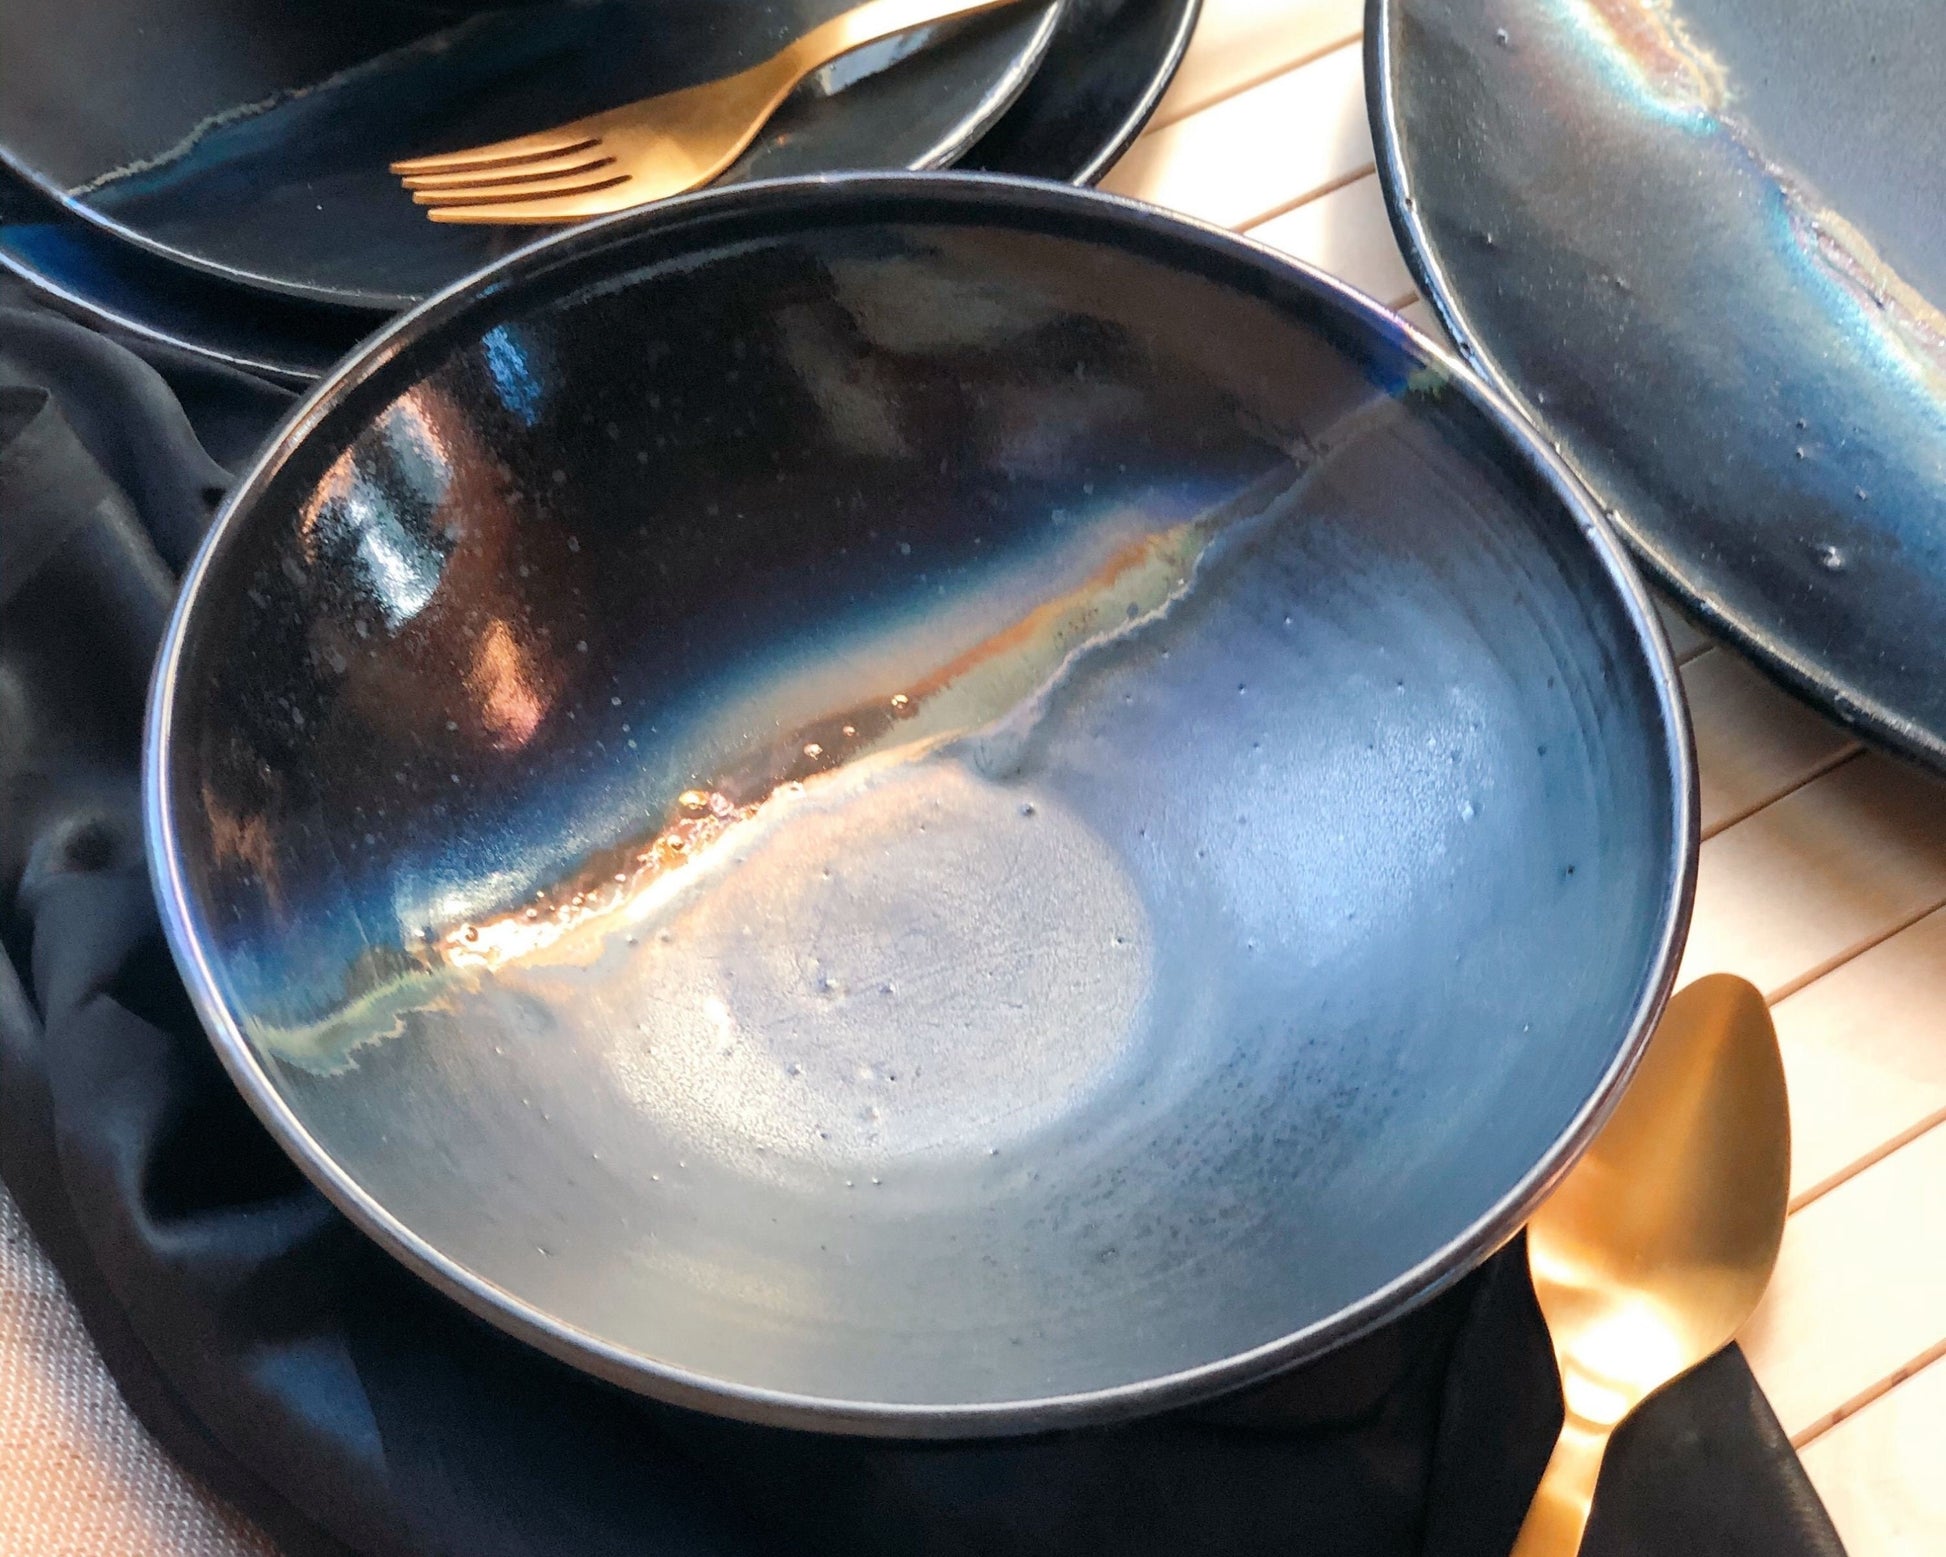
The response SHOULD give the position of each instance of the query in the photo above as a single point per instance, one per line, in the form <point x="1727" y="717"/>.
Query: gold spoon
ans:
<point x="1661" y="1239"/>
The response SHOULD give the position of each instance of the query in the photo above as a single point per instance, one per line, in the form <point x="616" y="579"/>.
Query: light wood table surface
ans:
<point x="1823" y="880"/>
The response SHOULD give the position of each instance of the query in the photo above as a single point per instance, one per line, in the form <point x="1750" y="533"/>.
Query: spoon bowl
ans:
<point x="1659" y="1243"/>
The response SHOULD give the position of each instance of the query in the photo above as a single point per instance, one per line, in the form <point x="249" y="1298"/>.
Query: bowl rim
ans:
<point x="863" y="198"/>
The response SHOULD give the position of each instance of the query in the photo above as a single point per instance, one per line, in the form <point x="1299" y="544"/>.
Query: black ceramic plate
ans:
<point x="251" y="139"/>
<point x="1703" y="243"/>
<point x="1107" y="68"/>
<point x="82" y="270"/>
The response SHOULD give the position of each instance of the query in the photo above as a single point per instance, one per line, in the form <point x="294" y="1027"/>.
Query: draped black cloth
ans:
<point x="349" y="1408"/>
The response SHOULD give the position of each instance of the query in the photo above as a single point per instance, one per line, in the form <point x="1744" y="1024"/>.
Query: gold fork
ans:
<point x="654" y="148"/>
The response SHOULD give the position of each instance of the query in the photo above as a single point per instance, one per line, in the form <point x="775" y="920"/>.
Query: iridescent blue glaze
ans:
<point x="920" y="805"/>
<point x="1701" y="243"/>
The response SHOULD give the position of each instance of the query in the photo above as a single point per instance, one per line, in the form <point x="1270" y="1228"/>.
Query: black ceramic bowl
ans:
<point x="919" y="805"/>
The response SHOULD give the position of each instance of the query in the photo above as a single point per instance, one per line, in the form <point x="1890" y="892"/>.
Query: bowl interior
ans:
<point x="857" y="805"/>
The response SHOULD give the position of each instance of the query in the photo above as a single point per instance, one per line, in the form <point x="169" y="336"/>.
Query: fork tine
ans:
<point x="521" y="195"/>
<point x="515" y="174"/>
<point x="597" y="200"/>
<point x="561" y="139"/>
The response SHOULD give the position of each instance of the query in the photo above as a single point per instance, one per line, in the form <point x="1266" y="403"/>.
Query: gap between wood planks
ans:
<point x="1879" y="1153"/>
<point x="1872" y="1158"/>
<point x="1808" y="1435"/>
<point x="1831" y="964"/>
<point x="1343" y="180"/>
<point x="1837" y="759"/>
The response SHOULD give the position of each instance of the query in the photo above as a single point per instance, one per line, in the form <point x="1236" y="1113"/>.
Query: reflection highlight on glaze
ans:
<point x="506" y="686"/>
<point x="388" y="521"/>
<point x="1907" y="323"/>
<point x="511" y="368"/>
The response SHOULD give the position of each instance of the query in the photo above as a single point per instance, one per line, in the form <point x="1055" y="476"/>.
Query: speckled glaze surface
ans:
<point x="920" y="805"/>
<point x="1701" y="244"/>
<point x="255" y="145"/>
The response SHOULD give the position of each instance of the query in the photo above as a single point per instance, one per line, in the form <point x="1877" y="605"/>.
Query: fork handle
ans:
<point x="1558" y="1516"/>
<point x="872" y="21"/>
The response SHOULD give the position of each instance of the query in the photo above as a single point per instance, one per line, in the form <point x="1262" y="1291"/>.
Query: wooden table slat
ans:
<point x="1217" y="165"/>
<point x="1865" y="1053"/>
<point x="1882" y="1473"/>
<point x="1829" y="870"/>
<point x="1686" y="639"/>
<point x="1860" y="1290"/>
<point x="1239" y="43"/>
<point x="1420" y="315"/>
<point x="1755" y="743"/>
<point x="1348" y="234"/>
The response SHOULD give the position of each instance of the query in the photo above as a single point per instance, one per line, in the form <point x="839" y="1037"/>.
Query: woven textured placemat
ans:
<point x="79" y="1476"/>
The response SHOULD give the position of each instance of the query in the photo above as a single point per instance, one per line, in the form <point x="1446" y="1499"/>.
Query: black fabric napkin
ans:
<point x="349" y="1408"/>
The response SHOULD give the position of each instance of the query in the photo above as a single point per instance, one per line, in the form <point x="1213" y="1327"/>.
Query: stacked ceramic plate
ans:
<point x="239" y="204"/>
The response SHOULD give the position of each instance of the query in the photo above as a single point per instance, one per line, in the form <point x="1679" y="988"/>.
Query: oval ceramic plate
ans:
<point x="931" y="805"/>
<point x="1702" y="243"/>
<point x="251" y="139"/>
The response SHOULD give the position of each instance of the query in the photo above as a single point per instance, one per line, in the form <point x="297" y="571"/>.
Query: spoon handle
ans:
<point x="1559" y="1513"/>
